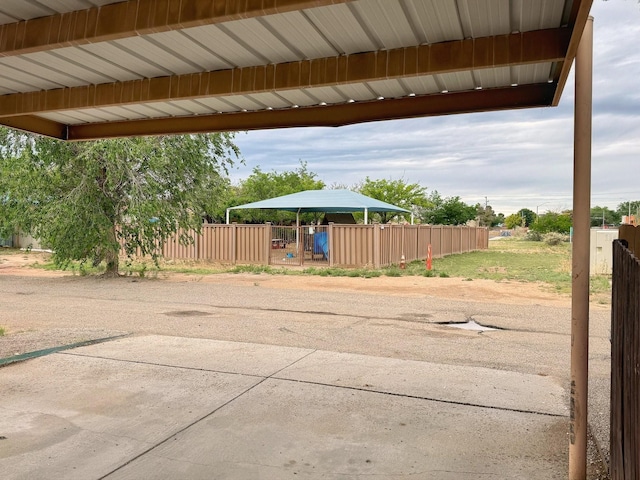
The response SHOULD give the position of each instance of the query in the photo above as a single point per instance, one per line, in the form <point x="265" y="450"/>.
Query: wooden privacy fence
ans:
<point x="625" y="357"/>
<point x="341" y="245"/>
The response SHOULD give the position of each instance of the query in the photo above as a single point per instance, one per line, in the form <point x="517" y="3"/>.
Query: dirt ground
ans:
<point x="505" y="292"/>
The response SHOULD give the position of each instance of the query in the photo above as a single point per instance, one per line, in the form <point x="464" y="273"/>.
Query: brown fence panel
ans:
<point x="252" y="243"/>
<point x="216" y="243"/>
<point x="352" y="245"/>
<point x="385" y="248"/>
<point x="447" y="241"/>
<point x="411" y="242"/>
<point x="172" y="248"/>
<point x="482" y="238"/>
<point x="424" y="239"/>
<point x="456" y="244"/>
<point x="436" y="241"/>
<point x="625" y="364"/>
<point x="465" y="239"/>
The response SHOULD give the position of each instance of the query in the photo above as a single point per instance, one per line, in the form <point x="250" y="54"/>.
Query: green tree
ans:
<point x="600" y="215"/>
<point x="396" y="192"/>
<point x="446" y="211"/>
<point x="86" y="199"/>
<point x="629" y="208"/>
<point x="553" y="222"/>
<point x="264" y="185"/>
<point x="486" y="216"/>
<point x="528" y="215"/>
<point x="514" y="220"/>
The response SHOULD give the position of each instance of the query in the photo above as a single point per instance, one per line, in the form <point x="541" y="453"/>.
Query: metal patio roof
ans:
<point x="85" y="69"/>
<point x="330" y="201"/>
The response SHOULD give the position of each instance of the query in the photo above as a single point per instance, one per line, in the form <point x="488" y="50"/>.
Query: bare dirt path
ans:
<point x="507" y="292"/>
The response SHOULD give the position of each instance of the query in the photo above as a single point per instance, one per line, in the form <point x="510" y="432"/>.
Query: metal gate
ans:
<point x="304" y="245"/>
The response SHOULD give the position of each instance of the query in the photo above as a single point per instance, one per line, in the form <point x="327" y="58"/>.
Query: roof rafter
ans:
<point x="133" y="18"/>
<point x="464" y="55"/>
<point x="526" y="96"/>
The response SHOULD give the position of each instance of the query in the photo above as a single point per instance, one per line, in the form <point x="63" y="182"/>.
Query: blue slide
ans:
<point x="321" y="244"/>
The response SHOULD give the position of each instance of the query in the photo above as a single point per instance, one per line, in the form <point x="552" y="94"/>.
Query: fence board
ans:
<point x="349" y="245"/>
<point x="625" y="362"/>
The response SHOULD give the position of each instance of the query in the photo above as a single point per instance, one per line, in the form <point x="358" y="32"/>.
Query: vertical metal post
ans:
<point x="580" y="256"/>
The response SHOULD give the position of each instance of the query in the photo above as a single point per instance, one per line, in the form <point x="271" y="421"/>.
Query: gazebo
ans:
<point x="327" y="201"/>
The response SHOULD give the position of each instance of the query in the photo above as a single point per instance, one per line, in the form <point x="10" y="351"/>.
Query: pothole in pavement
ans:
<point x="470" y="324"/>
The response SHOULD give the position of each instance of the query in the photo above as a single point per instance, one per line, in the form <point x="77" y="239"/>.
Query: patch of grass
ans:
<point x="343" y="272"/>
<point x="2" y="332"/>
<point x="259" y="269"/>
<point x="512" y="259"/>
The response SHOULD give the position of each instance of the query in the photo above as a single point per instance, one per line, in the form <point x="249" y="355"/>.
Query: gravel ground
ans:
<point x="390" y="317"/>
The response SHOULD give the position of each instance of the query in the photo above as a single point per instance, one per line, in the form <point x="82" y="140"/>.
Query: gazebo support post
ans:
<point x="366" y="216"/>
<point x="580" y="256"/>
<point x="298" y="233"/>
<point x="227" y="216"/>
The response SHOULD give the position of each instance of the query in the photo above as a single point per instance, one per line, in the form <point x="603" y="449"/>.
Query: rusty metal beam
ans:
<point x="134" y="18"/>
<point x="39" y="125"/>
<point x="525" y="96"/>
<point x="464" y="55"/>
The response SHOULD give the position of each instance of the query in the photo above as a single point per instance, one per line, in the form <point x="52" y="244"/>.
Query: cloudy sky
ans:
<point x="518" y="159"/>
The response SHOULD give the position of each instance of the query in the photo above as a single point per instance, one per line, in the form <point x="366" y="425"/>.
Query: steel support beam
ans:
<point x="580" y="257"/>
<point x="545" y="46"/>
<point x="526" y="96"/>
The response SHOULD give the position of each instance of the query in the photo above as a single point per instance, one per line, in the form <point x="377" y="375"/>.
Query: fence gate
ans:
<point x="303" y="246"/>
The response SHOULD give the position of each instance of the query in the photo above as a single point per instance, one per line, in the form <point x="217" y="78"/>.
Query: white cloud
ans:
<point x="518" y="159"/>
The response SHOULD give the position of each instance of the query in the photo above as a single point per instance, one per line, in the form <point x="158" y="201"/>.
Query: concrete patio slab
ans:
<point x="221" y="356"/>
<point x="450" y="383"/>
<point x="76" y="417"/>
<point x="289" y="430"/>
<point x="159" y="407"/>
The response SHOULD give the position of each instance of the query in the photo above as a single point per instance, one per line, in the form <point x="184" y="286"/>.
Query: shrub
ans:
<point x="533" y="236"/>
<point x="554" y="238"/>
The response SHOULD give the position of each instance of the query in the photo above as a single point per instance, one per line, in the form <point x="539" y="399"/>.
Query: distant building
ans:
<point x="629" y="220"/>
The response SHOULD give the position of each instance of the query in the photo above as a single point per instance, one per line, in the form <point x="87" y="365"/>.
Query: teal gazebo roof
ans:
<point x="331" y="201"/>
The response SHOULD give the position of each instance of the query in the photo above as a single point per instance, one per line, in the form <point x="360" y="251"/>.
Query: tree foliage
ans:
<point x="84" y="199"/>
<point x="629" y="208"/>
<point x="603" y="215"/>
<point x="553" y="222"/>
<point x="396" y="192"/>
<point x="264" y="185"/>
<point x="528" y="215"/>
<point x="514" y="220"/>
<point x="487" y="217"/>
<point x="446" y="211"/>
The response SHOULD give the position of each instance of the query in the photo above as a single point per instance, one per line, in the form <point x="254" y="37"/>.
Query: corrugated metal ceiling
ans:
<point x="321" y="32"/>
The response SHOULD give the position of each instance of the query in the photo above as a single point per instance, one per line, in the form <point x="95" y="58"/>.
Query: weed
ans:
<point x="1" y="332"/>
<point x="393" y="272"/>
